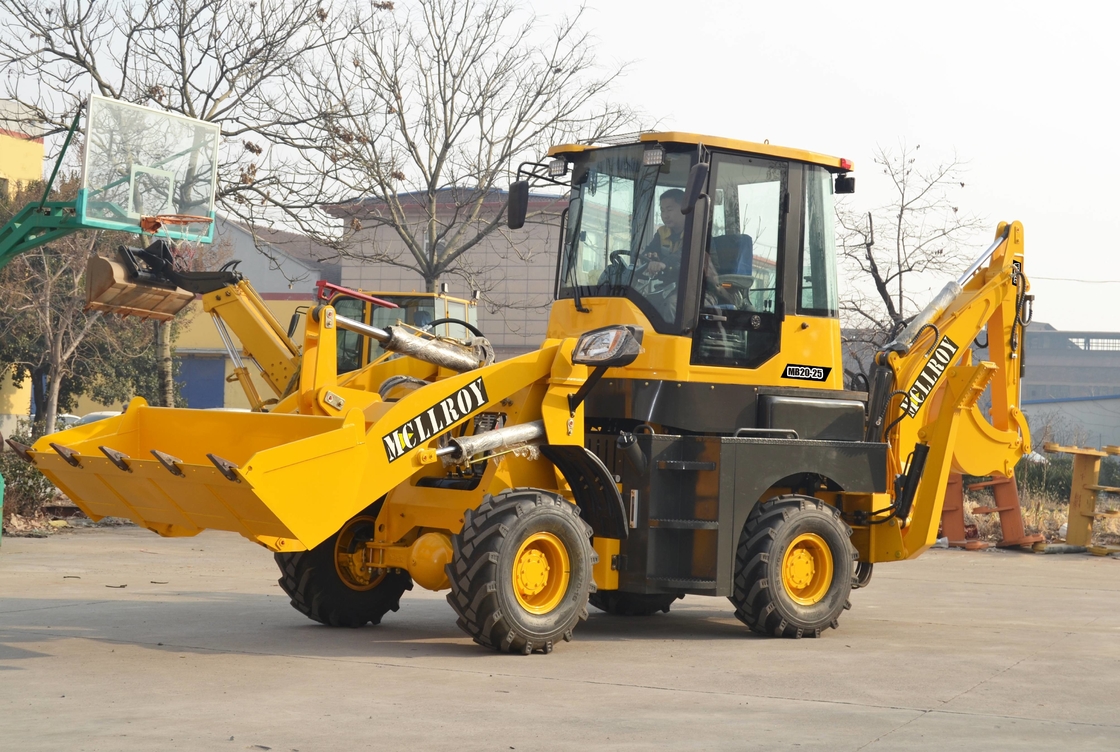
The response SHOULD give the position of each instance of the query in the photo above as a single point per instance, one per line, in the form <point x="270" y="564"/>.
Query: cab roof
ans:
<point x="835" y="164"/>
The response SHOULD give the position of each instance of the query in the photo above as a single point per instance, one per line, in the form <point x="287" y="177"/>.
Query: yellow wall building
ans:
<point x="21" y="163"/>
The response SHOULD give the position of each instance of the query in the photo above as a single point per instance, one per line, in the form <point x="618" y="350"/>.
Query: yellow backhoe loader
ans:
<point x="683" y="429"/>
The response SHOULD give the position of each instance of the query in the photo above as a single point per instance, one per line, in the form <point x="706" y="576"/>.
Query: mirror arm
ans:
<point x="575" y="399"/>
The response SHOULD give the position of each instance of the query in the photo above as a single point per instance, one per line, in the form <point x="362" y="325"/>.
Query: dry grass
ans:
<point x="1041" y="514"/>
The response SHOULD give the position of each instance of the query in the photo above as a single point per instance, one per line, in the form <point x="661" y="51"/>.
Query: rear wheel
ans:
<point x="521" y="571"/>
<point x="328" y="584"/>
<point x="621" y="603"/>
<point x="793" y="568"/>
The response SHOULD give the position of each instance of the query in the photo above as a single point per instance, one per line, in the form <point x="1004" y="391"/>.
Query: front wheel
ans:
<point x="521" y="571"/>
<point x="328" y="584"/>
<point x="793" y="568"/>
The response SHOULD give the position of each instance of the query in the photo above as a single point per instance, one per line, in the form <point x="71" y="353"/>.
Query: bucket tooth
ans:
<point x="117" y="458"/>
<point x="225" y="467"/>
<point x="70" y="455"/>
<point x="22" y="450"/>
<point x="170" y="464"/>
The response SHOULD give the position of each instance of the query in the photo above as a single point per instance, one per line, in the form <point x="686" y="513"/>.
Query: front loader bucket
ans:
<point x="281" y="480"/>
<point x="110" y="288"/>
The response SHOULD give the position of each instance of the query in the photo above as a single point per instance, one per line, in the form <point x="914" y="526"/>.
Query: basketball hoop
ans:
<point x="185" y="243"/>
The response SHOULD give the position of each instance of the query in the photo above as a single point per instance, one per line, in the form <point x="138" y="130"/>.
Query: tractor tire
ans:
<point x="323" y="591"/>
<point x="619" y="603"/>
<point x="520" y="571"/>
<point x="793" y="568"/>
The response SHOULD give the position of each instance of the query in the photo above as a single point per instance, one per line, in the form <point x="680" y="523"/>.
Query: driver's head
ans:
<point x="423" y="318"/>
<point x="671" y="202"/>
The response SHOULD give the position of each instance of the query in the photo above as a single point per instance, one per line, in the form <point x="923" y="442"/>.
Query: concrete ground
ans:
<point x="201" y="651"/>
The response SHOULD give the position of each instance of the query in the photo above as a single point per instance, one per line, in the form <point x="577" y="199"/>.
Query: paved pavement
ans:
<point x="201" y="651"/>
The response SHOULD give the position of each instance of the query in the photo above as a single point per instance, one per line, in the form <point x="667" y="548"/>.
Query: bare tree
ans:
<point x="888" y="252"/>
<point x="231" y="62"/>
<point x="48" y="336"/>
<point x="427" y="112"/>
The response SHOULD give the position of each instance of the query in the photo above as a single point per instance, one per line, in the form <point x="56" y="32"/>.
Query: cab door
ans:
<point x="742" y="302"/>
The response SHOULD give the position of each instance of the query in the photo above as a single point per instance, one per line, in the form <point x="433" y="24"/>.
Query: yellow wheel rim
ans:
<point x="807" y="569"/>
<point x="541" y="572"/>
<point x="350" y="554"/>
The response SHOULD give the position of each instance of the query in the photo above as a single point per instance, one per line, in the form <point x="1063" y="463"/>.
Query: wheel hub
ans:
<point x="532" y="572"/>
<point x="541" y="573"/>
<point x="807" y="569"/>
<point x="800" y="569"/>
<point x="349" y="555"/>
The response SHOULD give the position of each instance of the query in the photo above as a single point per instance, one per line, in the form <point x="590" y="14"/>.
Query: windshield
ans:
<point x="625" y="228"/>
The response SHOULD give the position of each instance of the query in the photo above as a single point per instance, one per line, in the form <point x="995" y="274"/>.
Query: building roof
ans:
<point x="417" y="202"/>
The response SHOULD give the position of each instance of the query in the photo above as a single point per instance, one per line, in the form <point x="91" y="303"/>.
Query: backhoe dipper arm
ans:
<point x="934" y="350"/>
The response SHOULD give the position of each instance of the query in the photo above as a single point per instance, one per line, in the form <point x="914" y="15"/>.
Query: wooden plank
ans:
<point x="1082" y="501"/>
<point x="1051" y="446"/>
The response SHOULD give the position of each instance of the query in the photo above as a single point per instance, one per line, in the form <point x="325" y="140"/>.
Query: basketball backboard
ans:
<point x="141" y="162"/>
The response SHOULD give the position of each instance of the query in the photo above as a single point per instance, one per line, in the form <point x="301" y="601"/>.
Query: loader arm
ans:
<point x="240" y="308"/>
<point x="936" y="388"/>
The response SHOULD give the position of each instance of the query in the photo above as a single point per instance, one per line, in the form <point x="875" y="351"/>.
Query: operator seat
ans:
<point x="733" y="254"/>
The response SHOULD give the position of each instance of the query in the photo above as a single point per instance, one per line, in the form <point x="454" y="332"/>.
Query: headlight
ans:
<point x="611" y="346"/>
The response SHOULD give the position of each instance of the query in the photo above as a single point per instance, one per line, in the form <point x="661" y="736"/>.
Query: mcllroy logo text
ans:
<point x="928" y="378"/>
<point x="460" y="404"/>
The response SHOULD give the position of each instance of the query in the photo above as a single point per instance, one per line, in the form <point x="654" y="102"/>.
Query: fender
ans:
<point x="593" y="486"/>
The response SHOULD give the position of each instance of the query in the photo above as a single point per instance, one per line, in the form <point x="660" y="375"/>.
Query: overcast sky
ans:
<point x="1024" y="92"/>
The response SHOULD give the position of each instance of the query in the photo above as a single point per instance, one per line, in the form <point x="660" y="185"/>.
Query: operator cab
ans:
<point x="753" y="240"/>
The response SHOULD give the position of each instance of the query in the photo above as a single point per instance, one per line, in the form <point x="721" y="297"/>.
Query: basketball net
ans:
<point x="190" y="228"/>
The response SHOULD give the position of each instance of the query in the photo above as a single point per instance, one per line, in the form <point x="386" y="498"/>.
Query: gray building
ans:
<point x="1071" y="386"/>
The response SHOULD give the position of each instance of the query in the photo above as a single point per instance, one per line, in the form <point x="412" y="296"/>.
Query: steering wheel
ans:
<point x="468" y="326"/>
<point x="620" y="258"/>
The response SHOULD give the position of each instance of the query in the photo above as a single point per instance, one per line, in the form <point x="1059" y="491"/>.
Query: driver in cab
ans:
<point x="663" y="252"/>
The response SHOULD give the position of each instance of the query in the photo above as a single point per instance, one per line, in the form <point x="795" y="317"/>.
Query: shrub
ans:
<point x="25" y="488"/>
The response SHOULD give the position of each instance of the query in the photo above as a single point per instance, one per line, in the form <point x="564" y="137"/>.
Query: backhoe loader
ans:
<point x="683" y="429"/>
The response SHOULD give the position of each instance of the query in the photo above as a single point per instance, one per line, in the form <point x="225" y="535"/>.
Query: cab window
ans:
<point x="739" y="312"/>
<point x="817" y="293"/>
<point x="349" y="344"/>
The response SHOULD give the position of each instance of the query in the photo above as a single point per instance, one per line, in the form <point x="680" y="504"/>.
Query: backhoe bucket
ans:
<point x="281" y="480"/>
<point x="110" y="288"/>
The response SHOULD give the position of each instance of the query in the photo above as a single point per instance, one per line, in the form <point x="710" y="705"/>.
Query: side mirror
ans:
<point x="518" y="204"/>
<point x="845" y="184"/>
<point x="293" y="323"/>
<point x="609" y="347"/>
<point x="697" y="177"/>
